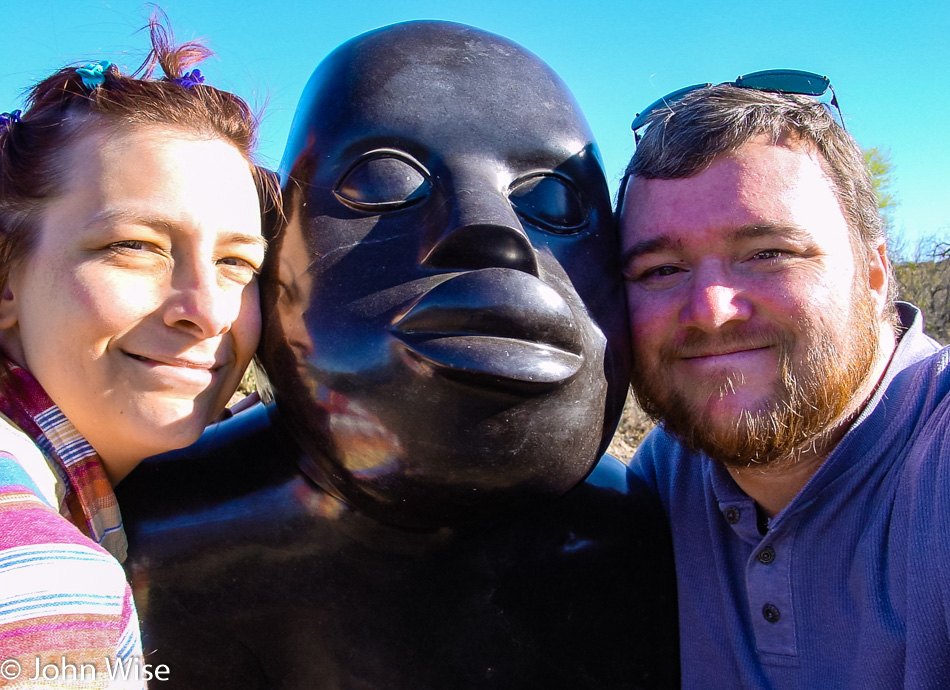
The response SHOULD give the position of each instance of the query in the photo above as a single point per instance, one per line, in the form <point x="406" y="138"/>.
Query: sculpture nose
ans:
<point x="483" y="231"/>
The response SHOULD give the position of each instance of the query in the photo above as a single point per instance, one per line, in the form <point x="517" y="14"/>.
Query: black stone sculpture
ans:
<point x="445" y="337"/>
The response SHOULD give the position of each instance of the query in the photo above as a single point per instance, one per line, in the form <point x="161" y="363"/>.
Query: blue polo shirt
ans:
<point x="849" y="586"/>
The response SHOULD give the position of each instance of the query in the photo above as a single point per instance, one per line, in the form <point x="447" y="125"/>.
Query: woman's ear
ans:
<point x="8" y="308"/>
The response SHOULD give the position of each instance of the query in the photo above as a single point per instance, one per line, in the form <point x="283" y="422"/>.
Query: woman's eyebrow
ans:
<point x="243" y="238"/>
<point x="115" y="215"/>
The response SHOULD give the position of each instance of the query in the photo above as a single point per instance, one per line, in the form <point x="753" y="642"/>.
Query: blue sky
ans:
<point x="887" y="62"/>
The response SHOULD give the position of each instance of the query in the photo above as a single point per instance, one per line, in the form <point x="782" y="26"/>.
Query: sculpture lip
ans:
<point x="494" y="322"/>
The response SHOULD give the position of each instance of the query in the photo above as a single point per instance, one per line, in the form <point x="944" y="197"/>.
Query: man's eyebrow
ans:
<point x="111" y="216"/>
<point x="656" y="244"/>
<point x="745" y="232"/>
<point x="757" y="230"/>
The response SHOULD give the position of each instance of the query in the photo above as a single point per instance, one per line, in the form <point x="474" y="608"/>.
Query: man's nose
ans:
<point x="483" y="231"/>
<point x="714" y="299"/>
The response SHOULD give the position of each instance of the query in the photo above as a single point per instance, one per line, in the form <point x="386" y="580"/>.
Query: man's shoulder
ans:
<point x="919" y="406"/>
<point x="659" y="447"/>
<point x="939" y="364"/>
<point x="933" y="380"/>
<point x="926" y="381"/>
<point x="662" y="460"/>
<point x="940" y="361"/>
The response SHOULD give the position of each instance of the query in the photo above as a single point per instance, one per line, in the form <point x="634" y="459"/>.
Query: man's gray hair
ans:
<point x="684" y="138"/>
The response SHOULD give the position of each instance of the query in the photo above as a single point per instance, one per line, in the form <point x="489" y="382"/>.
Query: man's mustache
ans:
<point x="744" y="336"/>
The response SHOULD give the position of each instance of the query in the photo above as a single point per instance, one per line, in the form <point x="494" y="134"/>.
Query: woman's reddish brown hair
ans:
<point x="60" y="109"/>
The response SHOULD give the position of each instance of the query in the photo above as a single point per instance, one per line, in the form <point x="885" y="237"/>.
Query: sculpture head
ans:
<point x="443" y="329"/>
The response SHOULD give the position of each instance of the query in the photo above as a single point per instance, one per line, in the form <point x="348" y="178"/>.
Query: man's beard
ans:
<point x="812" y="393"/>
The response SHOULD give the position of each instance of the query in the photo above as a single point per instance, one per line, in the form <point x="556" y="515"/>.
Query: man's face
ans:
<point x="754" y="326"/>
<point x="441" y="294"/>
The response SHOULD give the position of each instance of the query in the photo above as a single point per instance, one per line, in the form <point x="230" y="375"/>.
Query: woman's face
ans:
<point x="137" y="309"/>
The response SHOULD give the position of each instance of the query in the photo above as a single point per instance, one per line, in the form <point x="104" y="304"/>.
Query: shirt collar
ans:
<point x="912" y="346"/>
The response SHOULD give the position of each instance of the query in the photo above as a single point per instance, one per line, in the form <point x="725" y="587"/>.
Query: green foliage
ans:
<point x="249" y="382"/>
<point x="924" y="280"/>
<point x="879" y="164"/>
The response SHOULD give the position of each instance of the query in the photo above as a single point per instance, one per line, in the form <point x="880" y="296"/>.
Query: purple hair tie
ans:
<point x="7" y="120"/>
<point x="189" y="79"/>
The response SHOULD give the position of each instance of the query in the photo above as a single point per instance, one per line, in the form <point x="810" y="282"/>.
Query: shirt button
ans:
<point x="766" y="555"/>
<point x="771" y="613"/>
<point x="732" y="515"/>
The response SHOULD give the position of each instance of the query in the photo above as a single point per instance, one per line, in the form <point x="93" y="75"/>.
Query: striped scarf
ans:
<point x="90" y="503"/>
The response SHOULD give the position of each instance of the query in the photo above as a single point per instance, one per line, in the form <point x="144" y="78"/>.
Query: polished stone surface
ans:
<point x="247" y="576"/>
<point x="446" y="342"/>
<point x="447" y="286"/>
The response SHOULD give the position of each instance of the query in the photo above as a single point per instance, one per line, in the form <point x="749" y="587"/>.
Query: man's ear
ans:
<point x="879" y="275"/>
<point x="8" y="308"/>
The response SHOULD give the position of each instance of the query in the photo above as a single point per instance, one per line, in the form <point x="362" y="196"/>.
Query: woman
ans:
<point x="130" y="241"/>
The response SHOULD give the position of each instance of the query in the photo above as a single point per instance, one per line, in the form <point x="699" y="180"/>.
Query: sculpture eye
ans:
<point x="549" y="202"/>
<point x="383" y="182"/>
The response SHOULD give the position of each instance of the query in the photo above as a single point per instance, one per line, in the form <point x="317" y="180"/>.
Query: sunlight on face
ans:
<point x="137" y="310"/>
<point x="754" y="326"/>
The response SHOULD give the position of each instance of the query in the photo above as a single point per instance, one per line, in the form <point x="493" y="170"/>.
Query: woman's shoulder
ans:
<point x="60" y="593"/>
<point x="21" y="460"/>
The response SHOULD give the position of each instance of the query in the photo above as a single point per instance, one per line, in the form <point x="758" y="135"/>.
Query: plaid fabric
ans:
<point x="90" y="503"/>
<point x="67" y="619"/>
<point x="64" y="603"/>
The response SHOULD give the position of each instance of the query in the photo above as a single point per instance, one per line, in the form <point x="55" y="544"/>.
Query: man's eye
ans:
<point x="383" y="183"/>
<point x="549" y="202"/>
<point x="661" y="271"/>
<point x="656" y="277"/>
<point x="659" y="274"/>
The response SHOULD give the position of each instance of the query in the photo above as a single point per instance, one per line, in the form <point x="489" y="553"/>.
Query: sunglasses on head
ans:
<point x="775" y="80"/>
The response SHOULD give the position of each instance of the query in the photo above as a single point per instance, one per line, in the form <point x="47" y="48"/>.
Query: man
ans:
<point x="803" y="456"/>
<point x="424" y="506"/>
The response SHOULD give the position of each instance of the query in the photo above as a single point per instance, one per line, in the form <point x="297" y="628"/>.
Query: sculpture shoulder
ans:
<point x="601" y="551"/>
<point x="240" y="476"/>
<point x="618" y="487"/>
<point x="240" y="454"/>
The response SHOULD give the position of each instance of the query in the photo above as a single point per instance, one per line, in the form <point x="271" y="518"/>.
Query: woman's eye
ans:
<point x="549" y="202"/>
<point x="130" y="245"/>
<point x="134" y="252"/>
<point x="769" y="254"/>
<point x="383" y="183"/>
<point x="238" y="269"/>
